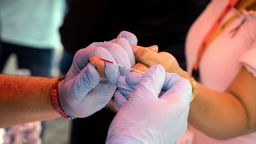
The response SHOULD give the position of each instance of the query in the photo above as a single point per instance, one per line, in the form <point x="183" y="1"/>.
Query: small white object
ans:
<point x="23" y="72"/>
<point x="1" y="136"/>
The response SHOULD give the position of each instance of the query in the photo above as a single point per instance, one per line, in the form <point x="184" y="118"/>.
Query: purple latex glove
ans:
<point x="83" y="92"/>
<point x="150" y="118"/>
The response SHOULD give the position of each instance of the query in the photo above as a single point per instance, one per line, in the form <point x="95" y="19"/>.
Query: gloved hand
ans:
<point x="83" y="92"/>
<point x="125" y="87"/>
<point x="150" y="119"/>
<point x="130" y="37"/>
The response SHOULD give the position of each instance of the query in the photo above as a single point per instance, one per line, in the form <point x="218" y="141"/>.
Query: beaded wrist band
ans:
<point x="194" y="88"/>
<point x="54" y="97"/>
<point x="192" y="82"/>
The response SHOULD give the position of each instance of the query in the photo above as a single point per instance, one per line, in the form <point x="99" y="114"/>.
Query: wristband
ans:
<point x="54" y="97"/>
<point x="193" y="84"/>
<point x="194" y="88"/>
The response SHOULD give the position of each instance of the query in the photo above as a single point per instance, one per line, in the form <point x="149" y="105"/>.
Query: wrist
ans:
<point x="192" y="81"/>
<point x="55" y="102"/>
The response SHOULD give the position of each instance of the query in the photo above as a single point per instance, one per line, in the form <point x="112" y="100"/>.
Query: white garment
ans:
<point x="224" y="57"/>
<point x="33" y="23"/>
<point x="1" y="136"/>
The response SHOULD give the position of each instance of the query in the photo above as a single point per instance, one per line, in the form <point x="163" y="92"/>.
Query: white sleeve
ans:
<point x="248" y="60"/>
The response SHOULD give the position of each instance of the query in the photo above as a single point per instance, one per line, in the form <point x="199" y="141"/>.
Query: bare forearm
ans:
<point x="25" y="99"/>
<point x="218" y="114"/>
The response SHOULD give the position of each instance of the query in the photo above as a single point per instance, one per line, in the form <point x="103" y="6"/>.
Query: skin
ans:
<point x="220" y="115"/>
<point x="100" y="65"/>
<point x="25" y="99"/>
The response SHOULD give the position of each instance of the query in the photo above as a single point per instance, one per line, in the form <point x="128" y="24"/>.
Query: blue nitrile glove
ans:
<point x="124" y="43"/>
<point x="125" y="39"/>
<point x="125" y="86"/>
<point x="132" y="39"/>
<point x="147" y="118"/>
<point x="83" y="92"/>
<point x="121" y="49"/>
<point x="120" y="54"/>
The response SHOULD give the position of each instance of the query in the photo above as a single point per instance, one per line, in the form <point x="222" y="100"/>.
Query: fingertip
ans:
<point x="82" y="56"/>
<point x="177" y="88"/>
<point x="124" y="43"/>
<point x="153" y="79"/>
<point x="156" y="70"/>
<point x="133" y="78"/>
<point x="87" y="79"/>
<point x="131" y="38"/>
<point x="120" y="55"/>
<point x="153" y="48"/>
<point x="112" y="72"/>
<point x="92" y="72"/>
<point x="96" y="44"/>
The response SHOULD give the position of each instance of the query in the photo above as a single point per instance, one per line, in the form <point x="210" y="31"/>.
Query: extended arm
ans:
<point x="226" y="114"/>
<point x="82" y="93"/>
<point x="25" y="99"/>
<point x="218" y="114"/>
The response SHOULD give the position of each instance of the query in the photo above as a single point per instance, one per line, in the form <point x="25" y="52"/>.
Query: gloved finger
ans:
<point x="124" y="88"/>
<point x="132" y="80"/>
<point x="114" y="71"/>
<point x="119" y="54"/>
<point x="97" y="98"/>
<point x="82" y="57"/>
<point x="151" y="82"/>
<point x="132" y="39"/>
<point x="106" y="90"/>
<point x="85" y="81"/>
<point x="126" y="46"/>
<point x="176" y="87"/>
<point x="119" y="99"/>
<point x="109" y="70"/>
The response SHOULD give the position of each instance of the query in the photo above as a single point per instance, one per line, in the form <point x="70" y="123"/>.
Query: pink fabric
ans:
<point x="248" y="60"/>
<point x="224" y="56"/>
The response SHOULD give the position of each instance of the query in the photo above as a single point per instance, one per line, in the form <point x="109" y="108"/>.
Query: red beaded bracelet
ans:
<point x="54" y="97"/>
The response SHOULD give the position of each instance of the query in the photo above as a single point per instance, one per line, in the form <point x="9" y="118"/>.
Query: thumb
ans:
<point x="86" y="80"/>
<point x="152" y="81"/>
<point x="120" y="99"/>
<point x="176" y="87"/>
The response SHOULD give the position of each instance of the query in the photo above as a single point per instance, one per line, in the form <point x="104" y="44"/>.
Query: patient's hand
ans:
<point x="149" y="57"/>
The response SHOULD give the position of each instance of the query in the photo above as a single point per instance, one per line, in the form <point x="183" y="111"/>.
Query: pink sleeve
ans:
<point x="248" y="59"/>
